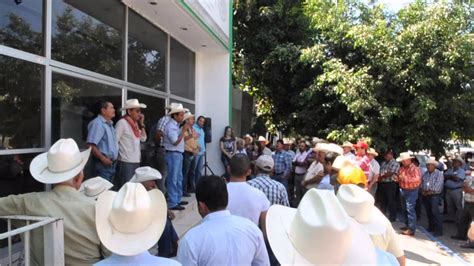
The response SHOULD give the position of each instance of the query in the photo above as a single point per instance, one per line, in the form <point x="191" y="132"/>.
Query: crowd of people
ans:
<point x="294" y="203"/>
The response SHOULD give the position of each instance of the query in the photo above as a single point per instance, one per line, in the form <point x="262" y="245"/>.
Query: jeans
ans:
<point x="99" y="169"/>
<point x="168" y="242"/>
<point x="162" y="167"/>
<point x="125" y="172"/>
<point x="174" y="180"/>
<point x="195" y="171"/>
<point x="279" y="178"/>
<point x="466" y="217"/>
<point x="386" y="196"/>
<point x="225" y="161"/>
<point x="431" y="203"/>
<point x="299" y="189"/>
<point x="187" y="159"/>
<point x="410" y="196"/>
<point x="454" y="203"/>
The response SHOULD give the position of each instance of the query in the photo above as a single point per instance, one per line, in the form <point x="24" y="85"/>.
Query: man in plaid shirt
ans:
<point x="275" y="191"/>
<point x="386" y="193"/>
<point x="409" y="179"/>
<point x="283" y="164"/>
<point x="431" y="190"/>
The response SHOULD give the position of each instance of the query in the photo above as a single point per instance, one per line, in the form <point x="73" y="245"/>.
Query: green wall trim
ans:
<point x="204" y="25"/>
<point x="231" y="58"/>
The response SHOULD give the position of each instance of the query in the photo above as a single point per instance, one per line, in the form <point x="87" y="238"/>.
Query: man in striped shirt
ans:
<point x="431" y="190"/>
<point x="274" y="190"/>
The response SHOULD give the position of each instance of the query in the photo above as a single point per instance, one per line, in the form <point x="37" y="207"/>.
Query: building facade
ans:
<point x="59" y="57"/>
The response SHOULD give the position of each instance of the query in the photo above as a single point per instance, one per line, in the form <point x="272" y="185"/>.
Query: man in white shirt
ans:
<point x="130" y="131"/>
<point x="245" y="200"/>
<point x="221" y="238"/>
<point x="315" y="171"/>
<point x="374" y="171"/>
<point x="347" y="148"/>
<point x="301" y="168"/>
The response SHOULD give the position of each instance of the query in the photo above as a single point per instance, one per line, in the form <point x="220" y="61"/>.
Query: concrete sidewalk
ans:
<point x="421" y="249"/>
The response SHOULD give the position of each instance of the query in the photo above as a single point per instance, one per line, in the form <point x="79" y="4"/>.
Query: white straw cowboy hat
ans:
<point x="250" y="138"/>
<point x="359" y="204"/>
<point x="132" y="104"/>
<point x="459" y="159"/>
<point x="404" y="156"/>
<point x="372" y="151"/>
<point x="262" y="139"/>
<point x="145" y="173"/>
<point x="432" y="161"/>
<point x="177" y="108"/>
<point x="340" y="162"/>
<point x="347" y="144"/>
<point x="320" y="147"/>
<point x="319" y="232"/>
<point x="93" y="187"/>
<point x="187" y="115"/>
<point x="62" y="162"/>
<point x="131" y="220"/>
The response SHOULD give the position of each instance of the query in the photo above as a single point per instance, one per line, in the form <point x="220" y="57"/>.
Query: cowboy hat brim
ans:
<point x="399" y="159"/>
<point x="141" y="105"/>
<point x="129" y="244"/>
<point x="39" y="169"/>
<point x="177" y="110"/>
<point x="377" y="223"/>
<point x="278" y="223"/>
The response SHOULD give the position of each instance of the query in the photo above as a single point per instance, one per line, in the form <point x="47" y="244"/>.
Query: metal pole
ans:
<point x="27" y="246"/>
<point x="9" y="225"/>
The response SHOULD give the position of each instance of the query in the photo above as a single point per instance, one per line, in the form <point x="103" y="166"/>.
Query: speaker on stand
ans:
<point x="208" y="139"/>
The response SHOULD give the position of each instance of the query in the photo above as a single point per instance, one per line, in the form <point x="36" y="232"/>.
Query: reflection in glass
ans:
<point x="74" y="106"/>
<point x="182" y="63"/>
<point x="21" y="25"/>
<point x="147" y="47"/>
<point x="20" y="104"/>
<point x="88" y="34"/>
<point x="155" y="107"/>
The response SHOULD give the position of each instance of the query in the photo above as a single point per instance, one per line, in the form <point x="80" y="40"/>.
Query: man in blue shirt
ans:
<point x="283" y="164"/>
<point x="103" y="141"/>
<point x="454" y="183"/>
<point x="431" y="190"/>
<point x="195" y="170"/>
<point x="173" y="142"/>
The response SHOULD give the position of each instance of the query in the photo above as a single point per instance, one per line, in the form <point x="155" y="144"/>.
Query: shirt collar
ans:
<point x="263" y="176"/>
<point x="104" y="120"/>
<point x="67" y="189"/>
<point x="217" y="215"/>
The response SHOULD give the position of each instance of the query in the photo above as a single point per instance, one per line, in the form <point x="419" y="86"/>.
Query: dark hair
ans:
<point x="225" y="130"/>
<point x="239" y="165"/>
<point x="281" y="142"/>
<point x="101" y="104"/>
<point x="330" y="157"/>
<point x="201" y="116"/>
<point x="212" y="191"/>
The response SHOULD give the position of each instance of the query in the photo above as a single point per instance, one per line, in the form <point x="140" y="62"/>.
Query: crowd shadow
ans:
<point x="418" y="258"/>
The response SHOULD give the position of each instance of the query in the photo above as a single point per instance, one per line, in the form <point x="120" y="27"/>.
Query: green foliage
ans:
<point x="397" y="79"/>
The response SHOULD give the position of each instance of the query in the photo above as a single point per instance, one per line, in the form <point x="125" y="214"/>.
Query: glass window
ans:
<point x="155" y="107"/>
<point x="147" y="47"/>
<point x="74" y="105"/>
<point x="21" y="25"/>
<point x="182" y="63"/>
<point x="88" y="34"/>
<point x="20" y="104"/>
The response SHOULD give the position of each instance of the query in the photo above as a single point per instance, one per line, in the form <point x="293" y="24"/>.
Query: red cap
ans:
<point x="361" y="144"/>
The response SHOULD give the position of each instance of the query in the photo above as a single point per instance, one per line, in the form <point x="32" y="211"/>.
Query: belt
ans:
<point x="173" y="151"/>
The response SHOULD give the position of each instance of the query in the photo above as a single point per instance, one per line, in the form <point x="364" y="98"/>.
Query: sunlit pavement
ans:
<point x="421" y="249"/>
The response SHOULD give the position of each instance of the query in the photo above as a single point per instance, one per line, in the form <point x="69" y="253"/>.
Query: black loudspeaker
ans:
<point x="208" y="130"/>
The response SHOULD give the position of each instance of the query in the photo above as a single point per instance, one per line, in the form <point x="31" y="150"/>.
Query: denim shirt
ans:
<point x="102" y="134"/>
<point x="451" y="184"/>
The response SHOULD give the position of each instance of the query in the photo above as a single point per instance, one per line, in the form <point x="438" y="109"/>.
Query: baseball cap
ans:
<point x="265" y="162"/>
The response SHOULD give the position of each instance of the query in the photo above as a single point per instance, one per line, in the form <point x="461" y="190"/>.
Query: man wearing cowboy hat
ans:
<point x="359" y="205"/>
<point x="319" y="232"/>
<point x="130" y="132"/>
<point x="191" y="149"/>
<point x="374" y="170"/>
<point x="61" y="166"/>
<point x="198" y="161"/>
<point x="301" y="168"/>
<point x="221" y="238"/>
<point x="262" y="146"/>
<point x="431" y="191"/>
<point x="409" y="179"/>
<point x="386" y="193"/>
<point x="348" y="147"/>
<point x="102" y="139"/>
<point x="160" y="153"/>
<point x="129" y="222"/>
<point x="168" y="242"/>
<point x="453" y="188"/>
<point x="174" y="138"/>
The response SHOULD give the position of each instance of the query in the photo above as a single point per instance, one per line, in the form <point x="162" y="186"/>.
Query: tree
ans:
<point x="399" y="80"/>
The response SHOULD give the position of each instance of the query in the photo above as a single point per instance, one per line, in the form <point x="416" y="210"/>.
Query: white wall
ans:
<point x="212" y="100"/>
